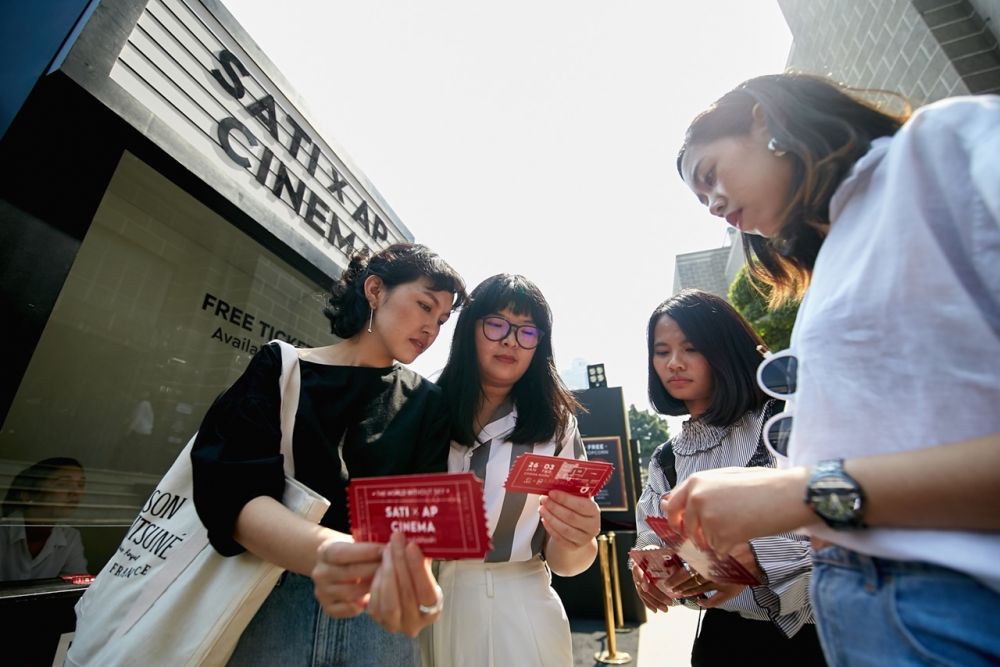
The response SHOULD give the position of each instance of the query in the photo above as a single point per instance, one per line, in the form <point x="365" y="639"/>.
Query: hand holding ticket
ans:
<point x="726" y="570"/>
<point x="443" y="513"/>
<point x="534" y="473"/>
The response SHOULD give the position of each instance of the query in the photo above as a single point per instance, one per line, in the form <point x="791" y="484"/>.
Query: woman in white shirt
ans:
<point x="507" y="399"/>
<point x="894" y="226"/>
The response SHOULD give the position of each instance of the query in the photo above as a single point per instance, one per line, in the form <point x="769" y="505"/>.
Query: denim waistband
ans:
<point x="875" y="569"/>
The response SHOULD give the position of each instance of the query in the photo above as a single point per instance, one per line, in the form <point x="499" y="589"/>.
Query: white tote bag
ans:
<point x="167" y="597"/>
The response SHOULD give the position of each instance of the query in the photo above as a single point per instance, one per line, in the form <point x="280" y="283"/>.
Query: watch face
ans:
<point x="835" y="499"/>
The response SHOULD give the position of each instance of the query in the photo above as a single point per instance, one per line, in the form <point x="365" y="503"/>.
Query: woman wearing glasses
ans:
<point x="507" y="400"/>
<point x="702" y="355"/>
<point x="894" y="226"/>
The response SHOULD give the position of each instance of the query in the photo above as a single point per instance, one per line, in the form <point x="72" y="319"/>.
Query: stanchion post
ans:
<point x="611" y="656"/>
<point x="616" y="585"/>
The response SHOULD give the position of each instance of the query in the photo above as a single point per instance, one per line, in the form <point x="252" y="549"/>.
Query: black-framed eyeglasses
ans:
<point x="777" y="376"/>
<point x="497" y="328"/>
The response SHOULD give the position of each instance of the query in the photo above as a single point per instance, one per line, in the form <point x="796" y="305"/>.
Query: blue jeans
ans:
<point x="873" y="611"/>
<point x="291" y="629"/>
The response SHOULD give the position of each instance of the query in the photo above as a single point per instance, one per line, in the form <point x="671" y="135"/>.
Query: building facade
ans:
<point x="924" y="49"/>
<point x="167" y="206"/>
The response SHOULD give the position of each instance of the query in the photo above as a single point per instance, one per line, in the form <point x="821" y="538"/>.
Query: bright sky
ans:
<point x="535" y="137"/>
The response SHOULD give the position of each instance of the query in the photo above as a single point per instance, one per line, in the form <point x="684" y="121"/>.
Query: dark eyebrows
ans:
<point x="430" y="295"/>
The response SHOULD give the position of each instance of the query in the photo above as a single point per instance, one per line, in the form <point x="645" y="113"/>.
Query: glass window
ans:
<point x="162" y="309"/>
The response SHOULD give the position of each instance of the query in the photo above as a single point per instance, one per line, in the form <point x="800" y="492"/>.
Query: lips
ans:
<point x="505" y="358"/>
<point x="419" y="344"/>
<point x="735" y="219"/>
<point x="678" y="380"/>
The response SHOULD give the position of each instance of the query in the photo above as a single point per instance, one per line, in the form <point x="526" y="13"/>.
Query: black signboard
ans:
<point x="612" y="496"/>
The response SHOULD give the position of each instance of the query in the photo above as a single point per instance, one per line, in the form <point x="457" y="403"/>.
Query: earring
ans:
<point x="773" y="146"/>
<point x="371" y="318"/>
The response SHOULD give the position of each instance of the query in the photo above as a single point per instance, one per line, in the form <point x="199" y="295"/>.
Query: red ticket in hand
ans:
<point x="534" y="473"/>
<point x="655" y="563"/>
<point x="442" y="513"/>
<point x="726" y="570"/>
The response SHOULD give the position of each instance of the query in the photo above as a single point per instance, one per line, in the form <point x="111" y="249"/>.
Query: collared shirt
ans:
<point x="785" y="560"/>
<point x="61" y="554"/>
<point x="896" y="339"/>
<point x="512" y="518"/>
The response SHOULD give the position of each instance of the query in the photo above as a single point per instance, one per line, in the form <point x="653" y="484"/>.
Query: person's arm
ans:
<point x="653" y="596"/>
<point x="955" y="486"/>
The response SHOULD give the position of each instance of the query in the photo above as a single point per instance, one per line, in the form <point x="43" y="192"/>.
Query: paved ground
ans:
<point x="664" y="640"/>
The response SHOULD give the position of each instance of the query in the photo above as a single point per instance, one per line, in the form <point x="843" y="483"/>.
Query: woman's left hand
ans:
<point x="571" y="521"/>
<point x="401" y="586"/>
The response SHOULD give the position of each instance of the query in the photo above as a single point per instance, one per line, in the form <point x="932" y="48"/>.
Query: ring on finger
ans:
<point x="434" y="608"/>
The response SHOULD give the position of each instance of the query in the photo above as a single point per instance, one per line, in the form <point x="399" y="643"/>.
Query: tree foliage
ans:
<point x="650" y="429"/>
<point x="774" y="326"/>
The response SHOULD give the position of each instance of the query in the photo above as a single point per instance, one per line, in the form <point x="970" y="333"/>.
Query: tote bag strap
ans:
<point x="290" y="384"/>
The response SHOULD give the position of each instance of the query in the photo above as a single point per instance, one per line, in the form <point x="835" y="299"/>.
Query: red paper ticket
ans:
<point x="443" y="513"/>
<point x="722" y="570"/>
<point x="534" y="473"/>
<point x="655" y="563"/>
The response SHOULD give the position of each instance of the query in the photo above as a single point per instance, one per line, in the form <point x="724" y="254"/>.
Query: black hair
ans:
<point x="824" y="128"/>
<point x="400" y="263"/>
<point x="27" y="482"/>
<point x="544" y="405"/>
<point x="728" y="344"/>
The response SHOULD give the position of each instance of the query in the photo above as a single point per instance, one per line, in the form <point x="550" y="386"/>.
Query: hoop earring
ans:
<point x="773" y="146"/>
<point x="371" y="319"/>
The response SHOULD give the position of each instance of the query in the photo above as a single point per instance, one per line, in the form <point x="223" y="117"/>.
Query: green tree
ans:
<point x="650" y="429"/>
<point x="774" y="326"/>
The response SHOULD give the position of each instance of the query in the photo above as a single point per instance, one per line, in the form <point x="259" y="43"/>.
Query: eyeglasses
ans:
<point x="496" y="328"/>
<point x="777" y="377"/>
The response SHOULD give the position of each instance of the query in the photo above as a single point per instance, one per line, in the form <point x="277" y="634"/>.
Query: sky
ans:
<point x="531" y="137"/>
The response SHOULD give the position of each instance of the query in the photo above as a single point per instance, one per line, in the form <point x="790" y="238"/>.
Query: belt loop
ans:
<point x="870" y="572"/>
<point x="489" y="583"/>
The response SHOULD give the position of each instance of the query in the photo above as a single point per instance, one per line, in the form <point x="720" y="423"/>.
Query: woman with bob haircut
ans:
<point x="893" y="440"/>
<point x="360" y="414"/>
<point x="507" y="400"/>
<point x="702" y="362"/>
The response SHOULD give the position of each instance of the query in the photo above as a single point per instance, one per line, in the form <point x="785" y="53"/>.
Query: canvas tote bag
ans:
<point x="167" y="597"/>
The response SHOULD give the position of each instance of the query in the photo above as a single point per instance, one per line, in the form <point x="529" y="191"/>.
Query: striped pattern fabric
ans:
<point x="512" y="518"/>
<point x="785" y="560"/>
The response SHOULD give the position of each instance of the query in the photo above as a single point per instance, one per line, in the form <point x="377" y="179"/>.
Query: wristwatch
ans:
<point x="835" y="496"/>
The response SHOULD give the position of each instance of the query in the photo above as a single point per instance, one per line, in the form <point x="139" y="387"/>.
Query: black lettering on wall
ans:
<point x="283" y="182"/>
<point x="263" y="110"/>
<point x="264" y="166"/>
<point x="234" y="70"/>
<point x="298" y="134"/>
<point x="226" y="128"/>
<point x="337" y="186"/>
<point x="361" y="215"/>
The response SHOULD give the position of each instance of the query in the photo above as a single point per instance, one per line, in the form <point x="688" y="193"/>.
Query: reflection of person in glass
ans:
<point x="34" y="543"/>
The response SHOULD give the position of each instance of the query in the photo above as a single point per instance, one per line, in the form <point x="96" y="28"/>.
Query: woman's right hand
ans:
<point x="651" y="594"/>
<point x="343" y="575"/>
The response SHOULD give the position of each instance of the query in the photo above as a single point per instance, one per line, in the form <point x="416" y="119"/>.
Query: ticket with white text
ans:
<point x="535" y="473"/>
<point x="443" y="513"/>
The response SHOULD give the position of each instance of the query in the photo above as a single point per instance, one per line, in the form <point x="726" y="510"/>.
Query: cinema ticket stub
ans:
<point x="534" y="473"/>
<point x="725" y="570"/>
<point x="443" y="513"/>
<point x="655" y="563"/>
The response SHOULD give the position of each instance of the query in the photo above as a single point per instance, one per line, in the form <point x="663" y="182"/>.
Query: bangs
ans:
<point x="515" y="294"/>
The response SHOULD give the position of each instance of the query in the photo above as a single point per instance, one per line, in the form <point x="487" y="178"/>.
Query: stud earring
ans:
<point x="371" y="319"/>
<point x="773" y="146"/>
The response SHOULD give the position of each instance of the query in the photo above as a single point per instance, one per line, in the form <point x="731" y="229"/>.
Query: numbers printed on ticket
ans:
<point x="534" y="473"/>
<point x="443" y="513"/>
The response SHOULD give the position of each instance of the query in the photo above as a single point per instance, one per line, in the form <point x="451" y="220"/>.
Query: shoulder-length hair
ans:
<point x="544" y="405"/>
<point x="727" y="342"/>
<point x="824" y="130"/>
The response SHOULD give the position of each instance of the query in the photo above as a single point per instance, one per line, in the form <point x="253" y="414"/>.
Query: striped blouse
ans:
<point x="512" y="518"/>
<point x="785" y="560"/>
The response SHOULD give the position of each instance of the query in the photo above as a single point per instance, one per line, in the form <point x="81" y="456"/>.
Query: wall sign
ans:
<point x="189" y="64"/>
<point x="612" y="496"/>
